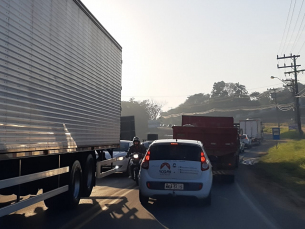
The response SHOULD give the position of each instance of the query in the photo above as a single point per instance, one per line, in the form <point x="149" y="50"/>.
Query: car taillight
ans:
<point x="145" y="163"/>
<point x="204" y="164"/>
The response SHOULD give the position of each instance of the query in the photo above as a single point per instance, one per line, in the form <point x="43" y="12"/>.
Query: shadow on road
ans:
<point x="101" y="211"/>
<point x="116" y="180"/>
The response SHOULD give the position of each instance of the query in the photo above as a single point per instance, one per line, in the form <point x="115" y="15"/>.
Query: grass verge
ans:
<point x="285" y="132"/>
<point x="286" y="165"/>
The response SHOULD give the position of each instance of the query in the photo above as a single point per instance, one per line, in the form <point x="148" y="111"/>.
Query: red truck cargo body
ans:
<point x="217" y="141"/>
<point x="207" y="121"/>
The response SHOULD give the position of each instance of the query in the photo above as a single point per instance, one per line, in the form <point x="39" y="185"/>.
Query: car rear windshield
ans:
<point x="175" y="152"/>
<point x="124" y="146"/>
<point x="146" y="144"/>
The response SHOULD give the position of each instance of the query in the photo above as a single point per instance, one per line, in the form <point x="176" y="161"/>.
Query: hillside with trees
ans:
<point x="225" y="99"/>
<point x="233" y="99"/>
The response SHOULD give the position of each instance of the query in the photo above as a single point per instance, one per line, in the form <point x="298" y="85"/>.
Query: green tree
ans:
<point x="230" y="88"/>
<point x="254" y="96"/>
<point x="153" y="108"/>
<point x="240" y="90"/>
<point x="219" y="89"/>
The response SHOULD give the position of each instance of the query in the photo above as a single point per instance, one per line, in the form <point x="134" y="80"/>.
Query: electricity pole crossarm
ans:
<point x="303" y="70"/>
<point x="285" y="66"/>
<point x="285" y="57"/>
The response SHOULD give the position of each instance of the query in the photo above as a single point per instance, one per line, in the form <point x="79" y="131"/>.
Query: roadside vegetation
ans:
<point x="285" y="164"/>
<point x="285" y="132"/>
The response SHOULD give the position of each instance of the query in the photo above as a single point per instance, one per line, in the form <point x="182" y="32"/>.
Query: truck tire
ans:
<point x="71" y="198"/>
<point x="88" y="176"/>
<point x="75" y="184"/>
<point x="143" y="199"/>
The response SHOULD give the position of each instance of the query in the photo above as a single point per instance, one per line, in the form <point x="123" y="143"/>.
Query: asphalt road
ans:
<point x="248" y="203"/>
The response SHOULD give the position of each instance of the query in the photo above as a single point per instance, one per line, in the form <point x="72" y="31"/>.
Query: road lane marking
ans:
<point x="80" y="216"/>
<point x="255" y="209"/>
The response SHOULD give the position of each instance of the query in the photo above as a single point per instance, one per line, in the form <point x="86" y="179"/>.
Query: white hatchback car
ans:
<point x="122" y="162"/>
<point x="176" y="168"/>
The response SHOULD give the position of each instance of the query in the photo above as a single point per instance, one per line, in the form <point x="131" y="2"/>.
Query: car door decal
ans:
<point x="165" y="168"/>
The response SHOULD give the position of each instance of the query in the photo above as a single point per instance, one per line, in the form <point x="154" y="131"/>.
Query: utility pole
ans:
<point x="294" y="66"/>
<point x="291" y="84"/>
<point x="273" y="96"/>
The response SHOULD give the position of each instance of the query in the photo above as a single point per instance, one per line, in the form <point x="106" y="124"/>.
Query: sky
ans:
<point x="176" y="48"/>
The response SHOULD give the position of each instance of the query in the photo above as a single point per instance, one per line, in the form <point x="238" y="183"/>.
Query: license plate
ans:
<point x="174" y="186"/>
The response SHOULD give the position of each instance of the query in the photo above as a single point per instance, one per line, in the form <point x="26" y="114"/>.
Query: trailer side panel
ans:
<point x="60" y="78"/>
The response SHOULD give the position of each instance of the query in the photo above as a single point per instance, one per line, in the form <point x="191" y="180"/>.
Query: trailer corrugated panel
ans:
<point x="60" y="77"/>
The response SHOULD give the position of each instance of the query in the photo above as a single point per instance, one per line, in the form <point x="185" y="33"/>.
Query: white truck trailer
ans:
<point x="253" y="128"/>
<point x="60" y="102"/>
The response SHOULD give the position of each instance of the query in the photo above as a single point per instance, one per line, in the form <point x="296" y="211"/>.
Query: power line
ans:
<point x="283" y="107"/>
<point x="289" y="26"/>
<point x="285" y="28"/>
<point x="301" y="47"/>
<point x="264" y="86"/>
<point x="133" y="96"/>
<point x="296" y="23"/>
<point x="299" y="32"/>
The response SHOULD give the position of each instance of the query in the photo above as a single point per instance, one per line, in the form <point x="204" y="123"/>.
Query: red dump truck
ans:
<point x="219" y="137"/>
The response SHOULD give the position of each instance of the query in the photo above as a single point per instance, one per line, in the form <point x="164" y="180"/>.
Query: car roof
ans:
<point x="162" y="141"/>
<point x="125" y="141"/>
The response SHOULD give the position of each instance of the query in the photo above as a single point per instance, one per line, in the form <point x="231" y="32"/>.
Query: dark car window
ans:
<point x="175" y="152"/>
<point x="124" y="146"/>
<point x="147" y="144"/>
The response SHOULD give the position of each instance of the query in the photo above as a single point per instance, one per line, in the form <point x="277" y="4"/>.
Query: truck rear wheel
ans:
<point x="88" y="176"/>
<point x="71" y="198"/>
<point x="75" y="184"/>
